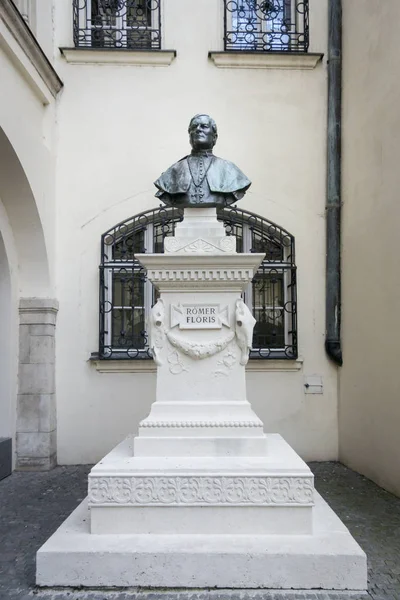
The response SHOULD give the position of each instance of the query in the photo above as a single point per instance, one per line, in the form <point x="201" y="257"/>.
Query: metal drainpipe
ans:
<point x="333" y="198"/>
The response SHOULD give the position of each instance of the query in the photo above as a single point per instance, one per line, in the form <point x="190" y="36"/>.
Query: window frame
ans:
<point x="118" y="34"/>
<point x="285" y="29"/>
<point x="159" y="223"/>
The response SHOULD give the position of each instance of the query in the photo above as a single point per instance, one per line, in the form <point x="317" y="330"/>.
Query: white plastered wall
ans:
<point x="28" y="126"/>
<point x="119" y="128"/>
<point x="27" y="209"/>
<point x="369" y="383"/>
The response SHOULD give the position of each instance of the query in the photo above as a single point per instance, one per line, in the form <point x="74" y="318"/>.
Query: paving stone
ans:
<point x="33" y="505"/>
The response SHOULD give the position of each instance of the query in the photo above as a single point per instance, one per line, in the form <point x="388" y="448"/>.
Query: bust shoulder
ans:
<point x="224" y="176"/>
<point x="176" y="179"/>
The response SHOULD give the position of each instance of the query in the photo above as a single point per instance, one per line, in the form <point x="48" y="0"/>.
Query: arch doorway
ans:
<point x="27" y="320"/>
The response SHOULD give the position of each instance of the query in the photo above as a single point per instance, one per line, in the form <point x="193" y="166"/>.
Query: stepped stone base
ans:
<point x="168" y="522"/>
<point x="328" y="559"/>
<point x="192" y="495"/>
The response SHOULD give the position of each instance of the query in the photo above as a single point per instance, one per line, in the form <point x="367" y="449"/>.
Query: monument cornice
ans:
<point x="228" y="271"/>
<point x="209" y="261"/>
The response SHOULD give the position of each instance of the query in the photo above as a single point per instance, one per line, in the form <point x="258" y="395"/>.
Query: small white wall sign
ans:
<point x="199" y="316"/>
<point x="313" y="384"/>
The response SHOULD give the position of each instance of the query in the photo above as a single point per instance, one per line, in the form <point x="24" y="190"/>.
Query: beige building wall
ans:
<point x="119" y="127"/>
<point x="369" y="415"/>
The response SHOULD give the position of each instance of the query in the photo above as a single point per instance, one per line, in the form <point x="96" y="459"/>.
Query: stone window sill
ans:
<point x="265" y="60"/>
<point x="149" y="366"/>
<point x="118" y="56"/>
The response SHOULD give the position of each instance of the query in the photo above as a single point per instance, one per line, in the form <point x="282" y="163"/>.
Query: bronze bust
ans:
<point x="202" y="179"/>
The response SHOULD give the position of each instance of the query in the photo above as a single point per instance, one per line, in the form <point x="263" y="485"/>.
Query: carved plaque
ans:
<point x="199" y="316"/>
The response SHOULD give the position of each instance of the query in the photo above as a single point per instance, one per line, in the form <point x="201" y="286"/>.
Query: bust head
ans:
<point x="195" y="182"/>
<point x="202" y="132"/>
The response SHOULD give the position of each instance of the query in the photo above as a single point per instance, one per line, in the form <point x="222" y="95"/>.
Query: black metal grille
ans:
<point x="126" y="296"/>
<point x="267" y="25"/>
<point x="130" y="24"/>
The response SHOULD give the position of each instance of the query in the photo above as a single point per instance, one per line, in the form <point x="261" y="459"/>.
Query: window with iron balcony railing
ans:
<point x="266" y="25"/>
<point x="129" y="24"/>
<point x="249" y="25"/>
<point x="126" y="295"/>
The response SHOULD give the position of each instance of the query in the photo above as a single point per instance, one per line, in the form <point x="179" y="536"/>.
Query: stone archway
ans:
<point x="28" y="388"/>
<point x="20" y="205"/>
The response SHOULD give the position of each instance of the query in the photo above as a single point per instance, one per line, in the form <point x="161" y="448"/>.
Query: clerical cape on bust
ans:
<point x="202" y="179"/>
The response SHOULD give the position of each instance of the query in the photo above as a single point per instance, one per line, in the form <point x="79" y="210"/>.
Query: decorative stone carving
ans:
<point x="226" y="364"/>
<point x="176" y="366"/>
<point x="200" y="246"/>
<point x="228" y="244"/>
<point x="200" y="274"/>
<point x="203" y="491"/>
<point x="244" y="322"/>
<point x="198" y="350"/>
<point x="156" y="330"/>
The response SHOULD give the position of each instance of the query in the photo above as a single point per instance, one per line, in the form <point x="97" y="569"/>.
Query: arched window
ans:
<point x="126" y="296"/>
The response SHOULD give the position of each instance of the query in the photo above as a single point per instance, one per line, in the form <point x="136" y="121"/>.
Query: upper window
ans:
<point x="126" y="296"/>
<point x="266" y="25"/>
<point x="132" y="24"/>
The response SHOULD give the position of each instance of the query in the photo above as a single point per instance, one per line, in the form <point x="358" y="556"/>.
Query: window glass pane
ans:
<point x="139" y="13"/>
<point x="128" y="288"/>
<point x="268" y="301"/>
<point x="269" y="330"/>
<point x="104" y="13"/>
<point x="268" y="289"/>
<point x="138" y="38"/>
<point x="128" y="328"/>
<point x="261" y="243"/>
<point x="104" y="20"/>
<point x="161" y="231"/>
<point x="128" y="245"/>
<point x="159" y="234"/>
<point x="245" y="24"/>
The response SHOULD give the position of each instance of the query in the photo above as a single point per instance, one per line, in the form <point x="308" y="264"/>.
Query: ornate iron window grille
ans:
<point x="126" y="296"/>
<point x="129" y="24"/>
<point x="266" y="25"/>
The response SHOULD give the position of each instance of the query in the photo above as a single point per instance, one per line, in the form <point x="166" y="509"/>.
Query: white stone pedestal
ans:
<point x="201" y="497"/>
<point x="136" y="533"/>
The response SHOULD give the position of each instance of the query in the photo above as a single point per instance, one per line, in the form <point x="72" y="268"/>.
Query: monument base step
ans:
<point x="329" y="559"/>
<point x="270" y="494"/>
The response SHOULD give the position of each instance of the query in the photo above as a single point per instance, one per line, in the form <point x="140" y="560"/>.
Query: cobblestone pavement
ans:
<point x="33" y="505"/>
